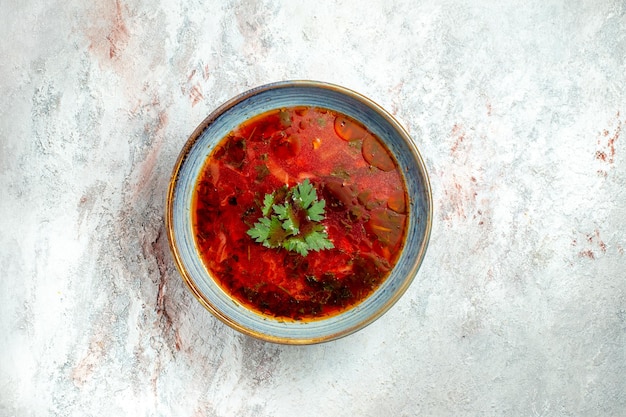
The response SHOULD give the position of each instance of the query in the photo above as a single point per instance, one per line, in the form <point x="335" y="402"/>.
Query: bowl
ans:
<point x="245" y="107"/>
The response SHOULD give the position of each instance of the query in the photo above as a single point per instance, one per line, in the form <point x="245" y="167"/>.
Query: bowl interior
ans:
<point x="231" y="115"/>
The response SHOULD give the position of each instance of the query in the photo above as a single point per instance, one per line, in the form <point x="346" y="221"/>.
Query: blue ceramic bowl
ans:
<point x="229" y="116"/>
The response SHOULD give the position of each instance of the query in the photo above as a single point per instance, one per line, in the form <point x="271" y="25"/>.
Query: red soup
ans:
<point x="300" y="213"/>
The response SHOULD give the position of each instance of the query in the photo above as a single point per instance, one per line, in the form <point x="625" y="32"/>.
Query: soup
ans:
<point x="300" y="213"/>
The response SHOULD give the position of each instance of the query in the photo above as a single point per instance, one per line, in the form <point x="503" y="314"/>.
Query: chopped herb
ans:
<point x="285" y="118"/>
<point x="262" y="171"/>
<point x="341" y="173"/>
<point x="291" y="220"/>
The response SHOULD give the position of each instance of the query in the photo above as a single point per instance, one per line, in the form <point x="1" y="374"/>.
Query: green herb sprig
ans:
<point x="291" y="220"/>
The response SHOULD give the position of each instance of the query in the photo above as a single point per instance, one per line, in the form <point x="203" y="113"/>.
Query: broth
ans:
<point x="300" y="213"/>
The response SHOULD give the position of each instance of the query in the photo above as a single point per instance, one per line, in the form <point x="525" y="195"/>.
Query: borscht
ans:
<point x="300" y="213"/>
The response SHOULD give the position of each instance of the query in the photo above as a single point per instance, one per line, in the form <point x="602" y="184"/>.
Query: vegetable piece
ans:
<point x="340" y="195"/>
<point x="348" y="130"/>
<point x="235" y="153"/>
<point x="262" y="171"/>
<point x="282" y="226"/>
<point x="285" y="147"/>
<point x="376" y="155"/>
<point x="277" y="171"/>
<point x="397" y="202"/>
<point x="316" y="143"/>
<point x="387" y="226"/>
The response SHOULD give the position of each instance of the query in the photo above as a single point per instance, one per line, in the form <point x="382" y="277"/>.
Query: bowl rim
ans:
<point x="197" y="133"/>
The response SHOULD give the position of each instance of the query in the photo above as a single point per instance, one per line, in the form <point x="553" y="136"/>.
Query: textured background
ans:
<point x="518" y="110"/>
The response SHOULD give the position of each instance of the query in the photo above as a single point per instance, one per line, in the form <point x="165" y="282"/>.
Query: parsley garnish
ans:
<point x="291" y="220"/>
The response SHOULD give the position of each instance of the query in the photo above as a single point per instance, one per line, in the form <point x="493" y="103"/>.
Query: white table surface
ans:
<point x="519" y="110"/>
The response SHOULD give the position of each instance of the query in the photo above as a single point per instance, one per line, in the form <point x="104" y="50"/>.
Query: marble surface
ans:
<point x="519" y="111"/>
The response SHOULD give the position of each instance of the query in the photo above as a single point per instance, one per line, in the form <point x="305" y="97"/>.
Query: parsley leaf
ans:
<point x="291" y="220"/>
<point x="318" y="240"/>
<point x="288" y="217"/>
<point x="316" y="211"/>
<point x="296" y="244"/>
<point x="260" y="232"/>
<point x="267" y="231"/>
<point x="268" y="202"/>
<point x="304" y="194"/>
